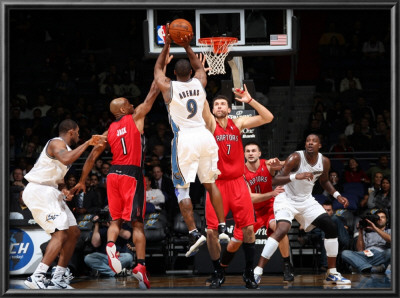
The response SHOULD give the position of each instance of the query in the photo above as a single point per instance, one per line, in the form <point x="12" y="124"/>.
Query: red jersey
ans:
<point x="230" y="152"/>
<point x="126" y="142"/>
<point x="260" y="181"/>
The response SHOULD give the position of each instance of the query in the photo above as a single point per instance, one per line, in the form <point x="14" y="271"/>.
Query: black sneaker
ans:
<point x="248" y="278"/>
<point x="216" y="279"/>
<point x="195" y="241"/>
<point x="288" y="272"/>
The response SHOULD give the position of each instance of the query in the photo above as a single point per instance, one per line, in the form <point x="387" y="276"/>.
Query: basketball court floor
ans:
<point x="233" y="283"/>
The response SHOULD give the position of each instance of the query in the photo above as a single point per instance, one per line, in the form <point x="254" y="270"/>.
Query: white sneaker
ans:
<point x="336" y="278"/>
<point x="68" y="276"/>
<point x="36" y="282"/>
<point x="58" y="284"/>
<point x="195" y="241"/>
<point x="113" y="261"/>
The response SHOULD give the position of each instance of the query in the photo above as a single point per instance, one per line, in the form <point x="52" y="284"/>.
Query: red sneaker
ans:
<point x="113" y="261"/>
<point x="140" y="273"/>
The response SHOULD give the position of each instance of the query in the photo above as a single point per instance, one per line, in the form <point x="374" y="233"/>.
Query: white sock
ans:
<point x="332" y="270"/>
<point x="258" y="270"/>
<point x="41" y="269"/>
<point x="190" y="232"/>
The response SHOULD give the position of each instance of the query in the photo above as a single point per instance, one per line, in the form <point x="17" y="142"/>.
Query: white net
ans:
<point x="216" y="52"/>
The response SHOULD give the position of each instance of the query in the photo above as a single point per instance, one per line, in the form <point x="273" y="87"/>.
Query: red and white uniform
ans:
<point x="259" y="181"/>
<point x="231" y="183"/>
<point x="125" y="181"/>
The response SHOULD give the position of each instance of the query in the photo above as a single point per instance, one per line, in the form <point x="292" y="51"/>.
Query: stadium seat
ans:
<point x="353" y="202"/>
<point x="320" y="198"/>
<point x="356" y="188"/>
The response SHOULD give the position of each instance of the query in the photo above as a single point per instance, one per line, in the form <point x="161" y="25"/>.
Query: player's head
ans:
<point x="120" y="107"/>
<point x="69" y="130"/>
<point x="183" y="69"/>
<point x="221" y="106"/>
<point x="252" y="152"/>
<point x="313" y="143"/>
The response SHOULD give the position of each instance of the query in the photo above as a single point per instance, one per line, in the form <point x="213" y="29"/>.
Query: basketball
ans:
<point x="178" y="29"/>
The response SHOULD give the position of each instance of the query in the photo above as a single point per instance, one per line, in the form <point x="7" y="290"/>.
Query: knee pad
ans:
<point x="331" y="247"/>
<point x="326" y="224"/>
<point x="182" y="193"/>
<point x="269" y="248"/>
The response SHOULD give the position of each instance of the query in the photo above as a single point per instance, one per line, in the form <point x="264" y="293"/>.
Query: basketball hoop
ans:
<point x="216" y="49"/>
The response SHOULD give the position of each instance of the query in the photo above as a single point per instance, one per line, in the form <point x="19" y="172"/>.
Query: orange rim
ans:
<point x="220" y="44"/>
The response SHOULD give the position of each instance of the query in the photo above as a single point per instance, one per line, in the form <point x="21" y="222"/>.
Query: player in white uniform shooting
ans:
<point x="299" y="174"/>
<point x="47" y="203"/>
<point x="194" y="150"/>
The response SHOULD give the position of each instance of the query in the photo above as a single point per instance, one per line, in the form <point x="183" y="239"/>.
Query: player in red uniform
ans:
<point x="234" y="190"/>
<point x="258" y="174"/>
<point x="125" y="181"/>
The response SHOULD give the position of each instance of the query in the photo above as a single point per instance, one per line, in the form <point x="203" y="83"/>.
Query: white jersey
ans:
<point x="300" y="190"/>
<point x="187" y="103"/>
<point x="48" y="170"/>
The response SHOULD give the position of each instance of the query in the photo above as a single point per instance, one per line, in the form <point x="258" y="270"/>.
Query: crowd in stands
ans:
<point x="76" y="76"/>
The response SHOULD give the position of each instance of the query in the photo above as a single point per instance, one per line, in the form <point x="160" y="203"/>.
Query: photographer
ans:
<point x="373" y="245"/>
<point x="98" y="260"/>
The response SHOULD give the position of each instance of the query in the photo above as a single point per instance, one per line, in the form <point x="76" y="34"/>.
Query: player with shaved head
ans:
<point x="299" y="174"/>
<point x="125" y="181"/>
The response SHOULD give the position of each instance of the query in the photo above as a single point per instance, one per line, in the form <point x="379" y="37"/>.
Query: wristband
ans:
<point x="250" y="100"/>
<point x="336" y="194"/>
<point x="292" y="177"/>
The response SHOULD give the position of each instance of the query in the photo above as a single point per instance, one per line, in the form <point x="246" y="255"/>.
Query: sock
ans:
<point x="258" y="270"/>
<point x="41" y="269"/>
<point x="222" y="223"/>
<point x="226" y="257"/>
<point x="217" y="265"/>
<point x="332" y="270"/>
<point x="190" y="232"/>
<point x="141" y="262"/>
<point x="249" y="252"/>
<point x="286" y="260"/>
<point x="59" y="272"/>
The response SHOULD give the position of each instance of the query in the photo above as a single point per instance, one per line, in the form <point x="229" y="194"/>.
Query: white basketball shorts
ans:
<point x="48" y="207"/>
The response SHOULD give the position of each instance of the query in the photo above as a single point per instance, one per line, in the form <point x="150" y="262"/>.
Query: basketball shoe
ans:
<point x="113" y="261"/>
<point x="216" y="279"/>
<point x="222" y="237"/>
<point x="140" y="273"/>
<point x="58" y="283"/>
<point x="36" y="281"/>
<point x="336" y="278"/>
<point x="195" y="241"/>
<point x="248" y="278"/>
<point x="288" y="272"/>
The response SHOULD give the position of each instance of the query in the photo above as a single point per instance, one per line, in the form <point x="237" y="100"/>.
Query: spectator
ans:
<point x="345" y="82"/>
<point x="381" y="198"/>
<point x="100" y="191"/>
<point x="42" y="105"/>
<point x="164" y="183"/>
<point x="373" y="246"/>
<point x="334" y="178"/>
<point x="97" y="167"/>
<point x="17" y="178"/>
<point x="382" y="167"/>
<point x="105" y="168"/>
<point x="358" y="140"/>
<point x="29" y="152"/>
<point x="162" y="136"/>
<point x="98" y="260"/>
<point x="165" y="161"/>
<point x="154" y="197"/>
<point x="372" y="190"/>
<point x="341" y="146"/>
<point x="365" y="127"/>
<point x="18" y="209"/>
<point x="353" y="173"/>
<point x="373" y="49"/>
<point x="86" y="202"/>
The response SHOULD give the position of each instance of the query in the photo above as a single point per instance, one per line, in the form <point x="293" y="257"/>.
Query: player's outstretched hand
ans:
<point x="342" y="200"/>
<point x="203" y="59"/>
<point x="168" y="39"/>
<point x="275" y="164"/>
<point x="68" y="194"/>
<point x="279" y="189"/>
<point x="305" y="176"/>
<point x="78" y="188"/>
<point x="242" y="95"/>
<point x="100" y="140"/>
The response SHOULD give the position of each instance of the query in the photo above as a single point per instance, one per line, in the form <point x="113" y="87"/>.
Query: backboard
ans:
<point x="260" y="32"/>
